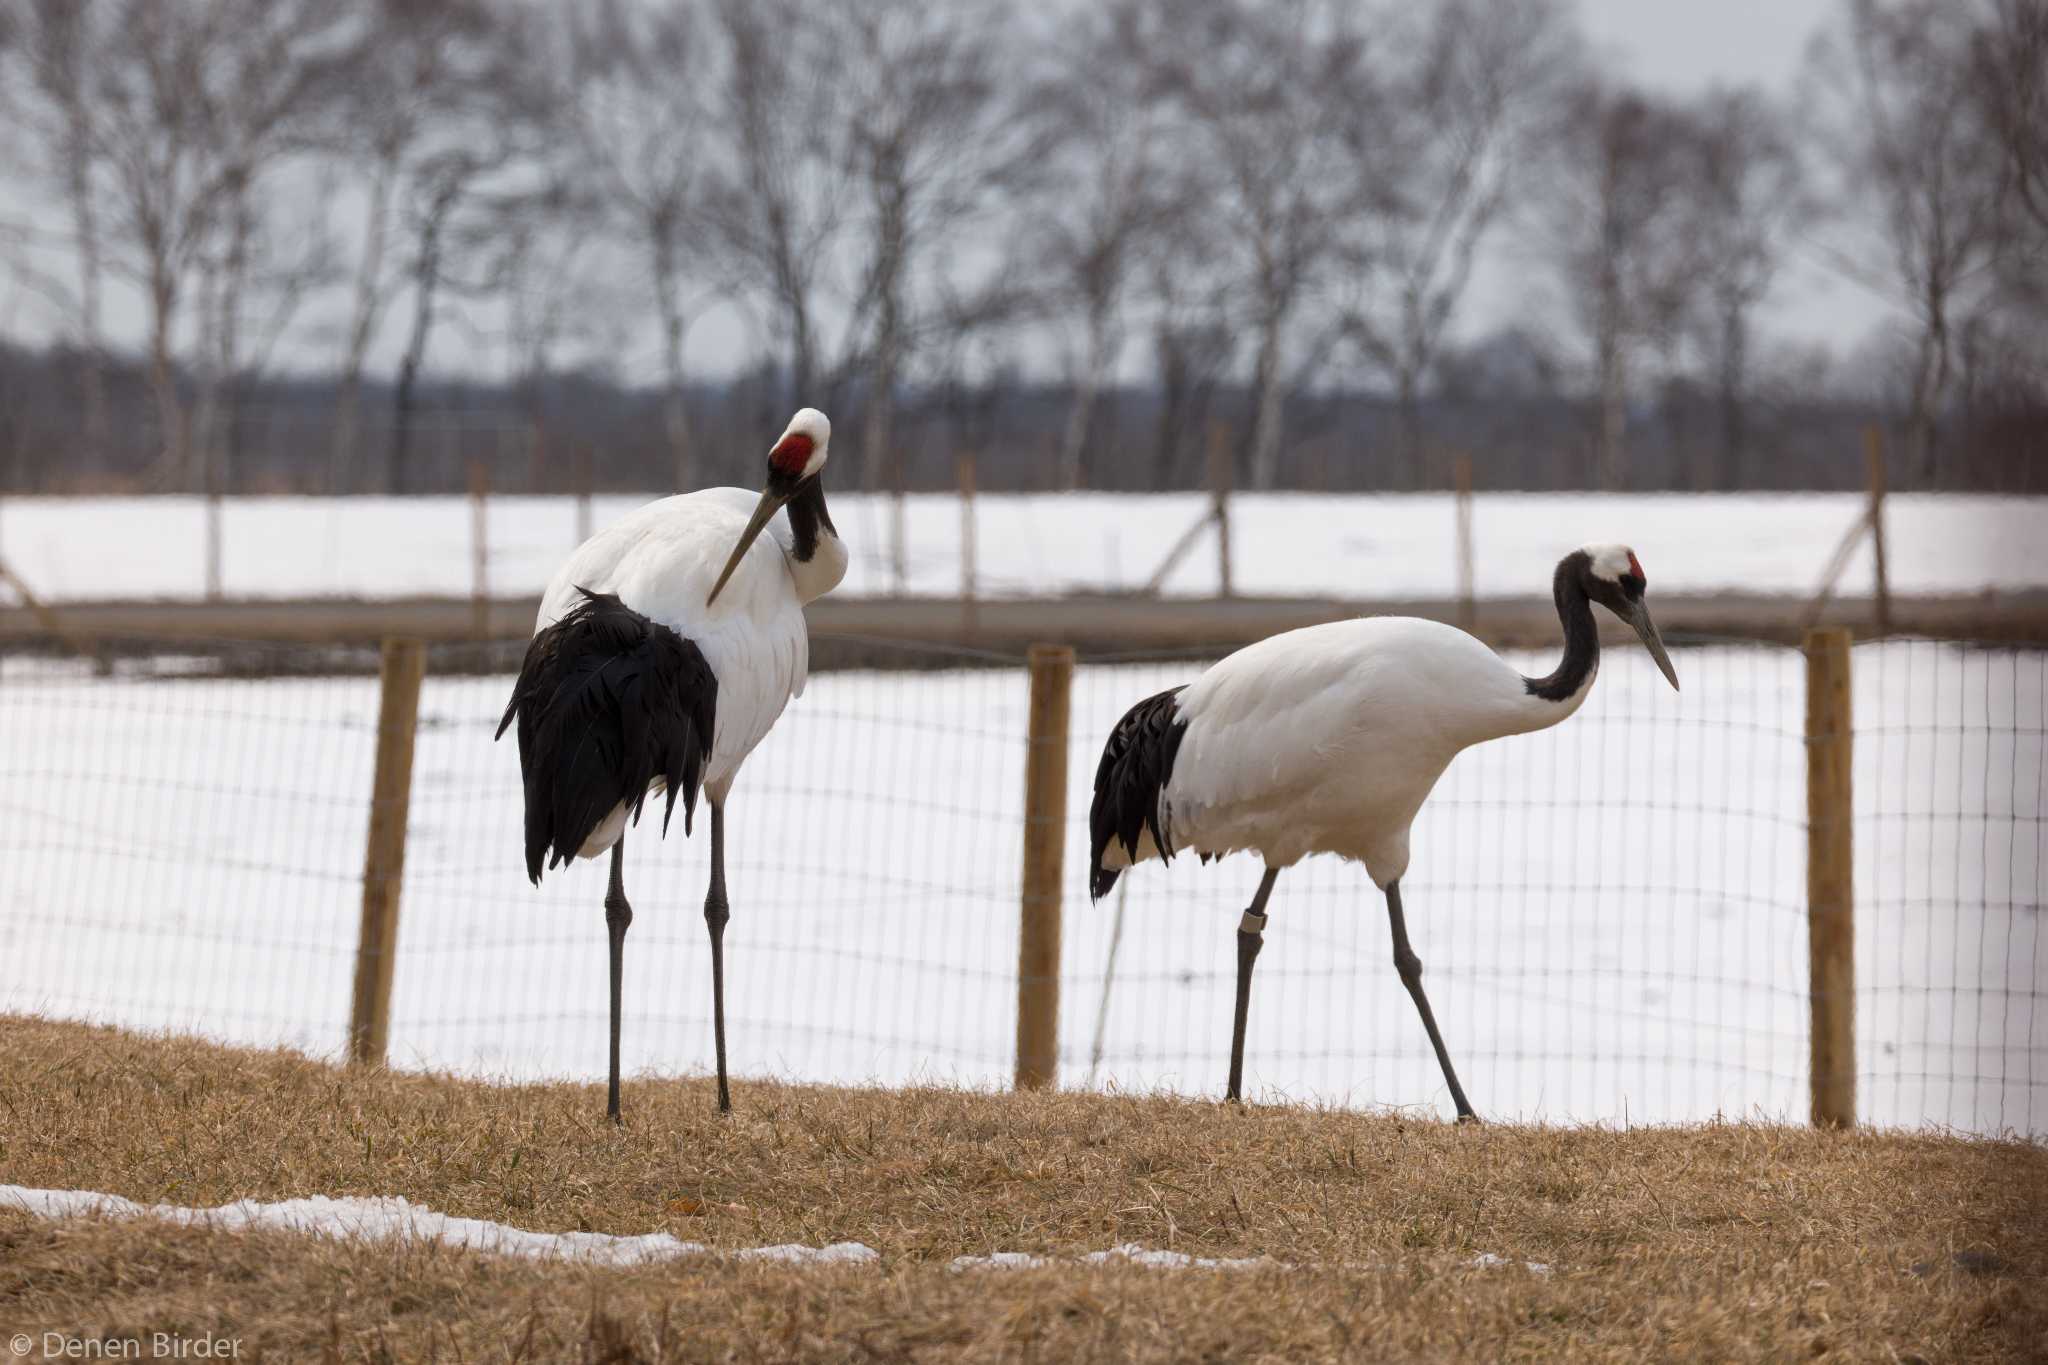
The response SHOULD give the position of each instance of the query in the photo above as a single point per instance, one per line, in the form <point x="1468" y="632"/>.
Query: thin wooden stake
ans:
<point x="1177" y="553"/>
<point x="1871" y="523"/>
<point x="1045" y="845"/>
<point x="1218" y="515"/>
<point x="48" y="619"/>
<point x="1873" y="456"/>
<point x="479" y="550"/>
<point x="1116" y="938"/>
<point x="1461" y="473"/>
<point x="213" y="545"/>
<point x="369" y="1029"/>
<point x="970" y="585"/>
<point x="583" y="491"/>
<point x="1219" y="487"/>
<point x="1830" y="883"/>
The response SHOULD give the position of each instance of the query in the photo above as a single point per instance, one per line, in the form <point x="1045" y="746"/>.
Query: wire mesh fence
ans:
<point x="1952" y="955"/>
<point x="1612" y="912"/>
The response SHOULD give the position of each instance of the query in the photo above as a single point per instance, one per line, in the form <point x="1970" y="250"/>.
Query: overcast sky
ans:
<point x="1686" y="45"/>
<point x="1682" y="47"/>
<point x="1675" y="46"/>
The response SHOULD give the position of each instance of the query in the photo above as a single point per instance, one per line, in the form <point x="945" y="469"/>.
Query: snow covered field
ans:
<point x="1611" y="912"/>
<point x="1285" y="544"/>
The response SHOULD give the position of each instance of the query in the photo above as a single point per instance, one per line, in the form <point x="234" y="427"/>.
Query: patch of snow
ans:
<point x="356" y="1218"/>
<point x="839" y="1253"/>
<point x="1000" y="1260"/>
<point x="388" y="1219"/>
<point x="1129" y="1253"/>
<point x="1486" y="1260"/>
<point x="1134" y="1254"/>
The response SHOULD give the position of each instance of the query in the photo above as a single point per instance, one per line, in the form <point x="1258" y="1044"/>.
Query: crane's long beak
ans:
<point x="1647" y="629"/>
<point x="764" y="510"/>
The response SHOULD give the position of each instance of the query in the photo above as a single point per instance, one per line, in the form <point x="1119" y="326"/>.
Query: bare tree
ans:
<point x="1279" y="94"/>
<point x="541" y="255"/>
<point x="195" y="105"/>
<point x="494" y="148"/>
<point x="430" y="219"/>
<point x="1194" y="339"/>
<point x="1616" y="223"/>
<point x="925" y="156"/>
<point x="1096" y="193"/>
<point x="779" y="199"/>
<point x="421" y="84"/>
<point x="1745" y="198"/>
<point x="1919" y="176"/>
<point x="638" y="108"/>
<point x="1472" y="86"/>
<point x="2009" y="59"/>
<point x="58" y="42"/>
<point x="258" y="270"/>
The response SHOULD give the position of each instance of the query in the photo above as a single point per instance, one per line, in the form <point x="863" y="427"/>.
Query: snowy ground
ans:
<point x="1611" y="912"/>
<point x="1347" y="546"/>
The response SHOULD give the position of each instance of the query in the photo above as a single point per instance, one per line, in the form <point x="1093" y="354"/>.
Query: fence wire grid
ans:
<point x="1612" y="912"/>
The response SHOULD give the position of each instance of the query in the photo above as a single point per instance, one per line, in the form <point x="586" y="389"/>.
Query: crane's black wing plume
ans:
<point x="609" y="703"/>
<point x="1135" y="765"/>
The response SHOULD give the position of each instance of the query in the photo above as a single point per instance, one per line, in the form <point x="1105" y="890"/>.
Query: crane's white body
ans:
<point x="661" y="561"/>
<point x="1328" y="739"/>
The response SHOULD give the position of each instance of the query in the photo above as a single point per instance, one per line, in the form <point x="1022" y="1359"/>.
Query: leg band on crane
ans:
<point x="1251" y="924"/>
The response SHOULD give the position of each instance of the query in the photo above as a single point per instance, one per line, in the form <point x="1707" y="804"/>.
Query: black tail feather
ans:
<point x="1136" y="763"/>
<point x="608" y="703"/>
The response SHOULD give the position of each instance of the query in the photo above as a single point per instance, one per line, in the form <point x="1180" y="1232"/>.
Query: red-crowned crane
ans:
<point x="652" y="669"/>
<point x="1328" y="740"/>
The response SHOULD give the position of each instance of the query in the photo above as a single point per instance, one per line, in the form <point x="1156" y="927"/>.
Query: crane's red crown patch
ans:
<point x="1635" y="566"/>
<point x="792" y="453"/>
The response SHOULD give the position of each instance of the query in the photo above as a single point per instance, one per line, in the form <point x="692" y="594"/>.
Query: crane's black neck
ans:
<point x="1581" y="636"/>
<point x="807" y="516"/>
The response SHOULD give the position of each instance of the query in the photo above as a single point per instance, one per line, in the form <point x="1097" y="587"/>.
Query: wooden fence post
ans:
<point x="405" y="663"/>
<point x="1830" y="885"/>
<point x="1045" y="845"/>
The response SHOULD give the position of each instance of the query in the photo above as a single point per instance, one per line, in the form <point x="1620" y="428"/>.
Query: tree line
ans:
<point x="1076" y="240"/>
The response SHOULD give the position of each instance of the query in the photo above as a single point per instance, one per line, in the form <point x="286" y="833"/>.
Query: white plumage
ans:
<point x="1329" y="739"/>
<point x="661" y="560"/>
<point x="666" y="647"/>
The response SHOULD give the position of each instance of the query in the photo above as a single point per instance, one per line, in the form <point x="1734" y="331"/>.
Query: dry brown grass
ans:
<point x="1729" y="1242"/>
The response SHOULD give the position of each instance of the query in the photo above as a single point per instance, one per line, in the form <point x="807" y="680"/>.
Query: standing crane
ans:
<point x="1328" y="739"/>
<point x="652" y="670"/>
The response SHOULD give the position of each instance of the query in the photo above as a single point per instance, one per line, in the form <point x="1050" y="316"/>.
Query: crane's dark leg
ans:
<point x="617" y="915"/>
<point x="1251" y="936"/>
<point x="716" y="913"/>
<point x="1410" y="967"/>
